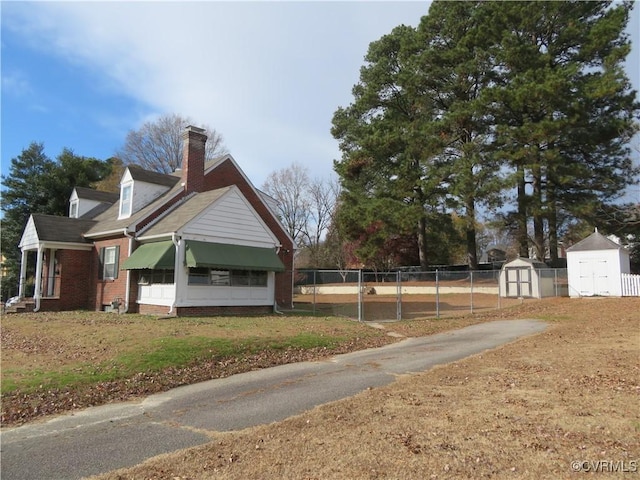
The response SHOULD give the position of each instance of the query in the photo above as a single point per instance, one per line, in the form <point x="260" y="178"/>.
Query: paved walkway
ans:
<point x="101" y="439"/>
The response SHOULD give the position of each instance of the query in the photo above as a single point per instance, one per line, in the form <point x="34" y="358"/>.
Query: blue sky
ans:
<point x="266" y="75"/>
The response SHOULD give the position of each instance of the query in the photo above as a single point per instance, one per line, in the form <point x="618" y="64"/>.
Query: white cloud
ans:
<point x="267" y="75"/>
<point x="15" y="83"/>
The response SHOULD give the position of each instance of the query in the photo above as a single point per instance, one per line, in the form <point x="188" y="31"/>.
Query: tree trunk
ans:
<point x="538" y="216"/>
<point x="522" y="237"/>
<point x="422" y="242"/>
<point x="472" y="251"/>
<point x="552" y="219"/>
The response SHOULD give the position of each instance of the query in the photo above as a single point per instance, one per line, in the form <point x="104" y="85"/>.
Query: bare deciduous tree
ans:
<point x="305" y="207"/>
<point x="157" y="145"/>
<point x="288" y="187"/>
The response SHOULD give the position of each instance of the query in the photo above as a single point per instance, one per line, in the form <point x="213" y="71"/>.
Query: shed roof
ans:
<point x="528" y="261"/>
<point x="595" y="241"/>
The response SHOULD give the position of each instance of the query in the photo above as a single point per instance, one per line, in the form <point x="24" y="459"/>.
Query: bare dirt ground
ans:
<point x="548" y="406"/>
<point x="385" y="307"/>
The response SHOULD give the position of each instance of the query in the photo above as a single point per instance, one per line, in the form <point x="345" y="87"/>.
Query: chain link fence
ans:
<point x="404" y="295"/>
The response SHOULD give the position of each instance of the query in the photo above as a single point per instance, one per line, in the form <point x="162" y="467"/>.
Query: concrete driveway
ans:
<point x="101" y="439"/>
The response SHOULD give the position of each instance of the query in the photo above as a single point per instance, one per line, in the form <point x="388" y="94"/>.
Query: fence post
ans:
<point x="399" y="296"/>
<point x="437" y="296"/>
<point x="471" y="291"/>
<point x="315" y="287"/>
<point x="360" y="295"/>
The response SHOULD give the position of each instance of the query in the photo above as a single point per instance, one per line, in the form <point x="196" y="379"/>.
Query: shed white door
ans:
<point x="594" y="277"/>
<point x="518" y="281"/>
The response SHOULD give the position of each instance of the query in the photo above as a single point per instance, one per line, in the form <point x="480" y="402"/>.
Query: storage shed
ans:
<point x="595" y="266"/>
<point x="524" y="277"/>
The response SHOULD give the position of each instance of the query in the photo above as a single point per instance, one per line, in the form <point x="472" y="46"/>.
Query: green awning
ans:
<point x="154" y="256"/>
<point x="222" y="255"/>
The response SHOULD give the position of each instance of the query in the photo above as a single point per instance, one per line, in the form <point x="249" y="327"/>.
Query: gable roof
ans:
<point x="528" y="261"/>
<point x="178" y="217"/>
<point x="261" y="196"/>
<point x="108" y="222"/>
<point x="96" y="195"/>
<point x="595" y="241"/>
<point x="52" y="228"/>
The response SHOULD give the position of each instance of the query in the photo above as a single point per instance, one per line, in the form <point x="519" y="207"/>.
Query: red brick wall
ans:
<point x="222" y="311"/>
<point x="107" y="290"/>
<point x="75" y="277"/>
<point x="227" y="174"/>
<point x="205" y="311"/>
<point x="153" y="309"/>
<point x="193" y="153"/>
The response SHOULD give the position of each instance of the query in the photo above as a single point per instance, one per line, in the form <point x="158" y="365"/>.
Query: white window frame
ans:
<point x="110" y="263"/>
<point x="126" y="204"/>
<point x="73" y="209"/>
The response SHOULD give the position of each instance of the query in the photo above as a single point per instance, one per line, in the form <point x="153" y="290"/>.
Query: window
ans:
<point x="125" y="200"/>
<point x="226" y="278"/>
<point x="258" y="279"/>
<point x="220" y="278"/>
<point x="198" y="276"/>
<point x="73" y="209"/>
<point x="148" y="277"/>
<point x="240" y="278"/>
<point x="109" y="262"/>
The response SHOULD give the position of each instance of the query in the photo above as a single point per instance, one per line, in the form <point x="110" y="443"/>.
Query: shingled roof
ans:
<point x="108" y="220"/>
<point x="185" y="212"/>
<point x="52" y="228"/>
<point x="147" y="176"/>
<point x="595" y="241"/>
<point x="96" y="195"/>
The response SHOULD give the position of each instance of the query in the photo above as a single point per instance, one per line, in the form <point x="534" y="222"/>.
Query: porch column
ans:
<point x="23" y="273"/>
<point x="38" y="286"/>
<point x="51" y="277"/>
<point x="179" y="278"/>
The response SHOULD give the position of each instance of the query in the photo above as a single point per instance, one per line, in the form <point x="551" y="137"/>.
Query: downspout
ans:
<point x="176" y="243"/>
<point x="275" y="301"/>
<point x="127" y="288"/>
<point x="293" y="270"/>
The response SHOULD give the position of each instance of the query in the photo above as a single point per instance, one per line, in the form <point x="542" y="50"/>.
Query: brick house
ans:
<point x="200" y="241"/>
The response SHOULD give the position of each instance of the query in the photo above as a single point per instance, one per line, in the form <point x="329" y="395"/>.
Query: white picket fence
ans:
<point x="630" y="285"/>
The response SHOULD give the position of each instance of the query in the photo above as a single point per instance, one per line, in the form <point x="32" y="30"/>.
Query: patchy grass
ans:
<point x="52" y="362"/>
<point x="526" y="410"/>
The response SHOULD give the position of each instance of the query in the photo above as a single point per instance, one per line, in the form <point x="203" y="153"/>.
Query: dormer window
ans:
<point x="125" y="200"/>
<point x="73" y="209"/>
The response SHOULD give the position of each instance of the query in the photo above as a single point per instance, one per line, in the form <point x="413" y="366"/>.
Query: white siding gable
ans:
<point x="143" y="193"/>
<point x="29" y="238"/>
<point x="231" y="219"/>
<point x="83" y="205"/>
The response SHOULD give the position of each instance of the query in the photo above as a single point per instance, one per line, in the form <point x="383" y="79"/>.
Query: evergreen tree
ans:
<point x="390" y="176"/>
<point x="563" y="108"/>
<point x="25" y="192"/>
<point x="37" y="184"/>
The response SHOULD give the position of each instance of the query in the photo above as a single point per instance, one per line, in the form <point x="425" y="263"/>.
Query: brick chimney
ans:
<point x="193" y="154"/>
